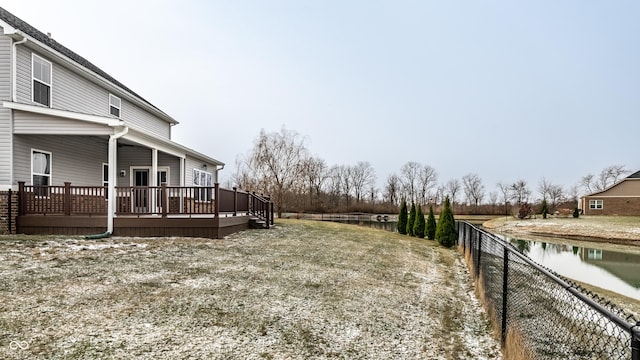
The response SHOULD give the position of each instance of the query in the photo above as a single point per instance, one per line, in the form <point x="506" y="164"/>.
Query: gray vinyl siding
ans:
<point x="66" y="165"/>
<point x="76" y="93"/>
<point x="27" y="122"/>
<point x="23" y="75"/>
<point x="5" y="114"/>
<point x="193" y="163"/>
<point x="133" y="156"/>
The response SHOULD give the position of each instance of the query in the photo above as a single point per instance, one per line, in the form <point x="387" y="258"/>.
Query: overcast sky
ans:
<point x="505" y="89"/>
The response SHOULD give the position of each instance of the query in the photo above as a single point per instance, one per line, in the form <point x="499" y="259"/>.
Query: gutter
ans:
<point x="14" y="72"/>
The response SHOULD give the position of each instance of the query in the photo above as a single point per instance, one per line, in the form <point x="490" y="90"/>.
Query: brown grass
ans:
<point x="515" y="347"/>
<point x="301" y="290"/>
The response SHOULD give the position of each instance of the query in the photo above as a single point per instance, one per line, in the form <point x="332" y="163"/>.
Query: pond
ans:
<point x="616" y="271"/>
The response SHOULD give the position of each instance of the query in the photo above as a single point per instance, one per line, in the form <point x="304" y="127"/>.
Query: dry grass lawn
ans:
<point x="301" y="290"/>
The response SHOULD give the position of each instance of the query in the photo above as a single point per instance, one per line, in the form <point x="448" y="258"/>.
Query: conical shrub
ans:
<point x="430" y="227"/>
<point x="402" y="218"/>
<point x="419" y="223"/>
<point x="411" y="219"/>
<point x="446" y="232"/>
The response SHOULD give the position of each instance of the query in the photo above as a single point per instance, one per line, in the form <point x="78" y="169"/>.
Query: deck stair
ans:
<point x="257" y="223"/>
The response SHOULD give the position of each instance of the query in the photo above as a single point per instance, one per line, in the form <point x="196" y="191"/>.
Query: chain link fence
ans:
<point x="539" y="314"/>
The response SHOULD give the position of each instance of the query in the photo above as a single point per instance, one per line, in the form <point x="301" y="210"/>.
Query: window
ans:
<point x="41" y="73"/>
<point x="40" y="172"/>
<point x="105" y="179"/>
<point x="595" y="204"/>
<point x="203" y="179"/>
<point x="594" y="254"/>
<point x="114" y="105"/>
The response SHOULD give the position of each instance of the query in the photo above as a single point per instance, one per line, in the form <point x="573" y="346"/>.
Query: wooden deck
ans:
<point x="141" y="211"/>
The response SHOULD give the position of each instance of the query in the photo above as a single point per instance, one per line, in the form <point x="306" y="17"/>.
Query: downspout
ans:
<point x="14" y="73"/>
<point x="14" y="96"/>
<point x="113" y="141"/>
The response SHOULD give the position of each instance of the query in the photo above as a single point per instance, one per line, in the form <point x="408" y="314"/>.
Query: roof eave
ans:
<point x="16" y="34"/>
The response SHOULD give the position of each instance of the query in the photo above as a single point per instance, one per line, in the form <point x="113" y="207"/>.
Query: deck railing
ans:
<point x="162" y="200"/>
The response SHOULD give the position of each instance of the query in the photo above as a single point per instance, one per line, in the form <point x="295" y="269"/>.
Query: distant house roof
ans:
<point x="17" y="23"/>
<point x="635" y="175"/>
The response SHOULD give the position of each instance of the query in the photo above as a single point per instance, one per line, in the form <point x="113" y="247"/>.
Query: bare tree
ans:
<point x="587" y="183"/>
<point x="392" y="190"/>
<point x="344" y="173"/>
<point x="453" y="187"/>
<point x="520" y="192"/>
<point x="493" y="198"/>
<point x="334" y="186"/>
<point x="316" y="174"/>
<point x="544" y="186"/>
<point x="473" y="188"/>
<point x="607" y="177"/>
<point x="410" y="175"/>
<point x="363" y="176"/>
<point x="427" y="178"/>
<point x="573" y="193"/>
<point x="505" y="191"/>
<point x="276" y="163"/>
<point x="556" y="195"/>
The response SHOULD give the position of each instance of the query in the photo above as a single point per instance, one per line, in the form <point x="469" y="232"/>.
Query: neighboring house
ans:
<point x="74" y="141"/>
<point x="622" y="198"/>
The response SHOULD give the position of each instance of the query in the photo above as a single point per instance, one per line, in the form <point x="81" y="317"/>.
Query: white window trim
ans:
<point x="50" y="84"/>
<point x="132" y="180"/>
<point x="111" y="96"/>
<point x="105" y="182"/>
<point x="206" y="195"/>
<point x="593" y="204"/>
<point x="50" y="175"/>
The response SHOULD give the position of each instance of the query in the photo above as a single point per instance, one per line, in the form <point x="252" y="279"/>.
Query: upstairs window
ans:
<point x="41" y="74"/>
<point x="114" y="105"/>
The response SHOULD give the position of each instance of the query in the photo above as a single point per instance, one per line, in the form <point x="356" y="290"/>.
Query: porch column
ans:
<point x="113" y="170"/>
<point x="183" y="174"/>
<point x="153" y="181"/>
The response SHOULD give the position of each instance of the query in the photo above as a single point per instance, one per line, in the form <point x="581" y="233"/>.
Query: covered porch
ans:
<point x="193" y="211"/>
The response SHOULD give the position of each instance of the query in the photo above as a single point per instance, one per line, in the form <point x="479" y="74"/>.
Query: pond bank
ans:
<point x="608" y="233"/>
<point x="621" y="230"/>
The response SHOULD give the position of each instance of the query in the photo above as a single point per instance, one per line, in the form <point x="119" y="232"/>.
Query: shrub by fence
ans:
<point x="539" y="314"/>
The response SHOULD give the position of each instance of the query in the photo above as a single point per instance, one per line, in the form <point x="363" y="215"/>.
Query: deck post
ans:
<point x="164" y="200"/>
<point x="216" y="200"/>
<point x="271" y="205"/>
<point x="66" y="204"/>
<point x="22" y="199"/>
<point x="235" y="201"/>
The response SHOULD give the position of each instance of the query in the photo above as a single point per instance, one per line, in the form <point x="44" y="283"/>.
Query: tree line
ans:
<point x="280" y="165"/>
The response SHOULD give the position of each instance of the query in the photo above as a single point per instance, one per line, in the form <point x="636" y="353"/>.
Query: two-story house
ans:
<point x="86" y="153"/>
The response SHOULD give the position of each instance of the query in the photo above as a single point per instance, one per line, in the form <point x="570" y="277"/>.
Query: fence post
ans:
<point x="464" y="238"/>
<point x="235" y="201"/>
<point x="479" y="254"/>
<point x="271" y="209"/>
<point x="505" y="290"/>
<point x="635" y="342"/>
<point x="66" y="205"/>
<point x="216" y="200"/>
<point x="164" y="199"/>
<point x="22" y="198"/>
